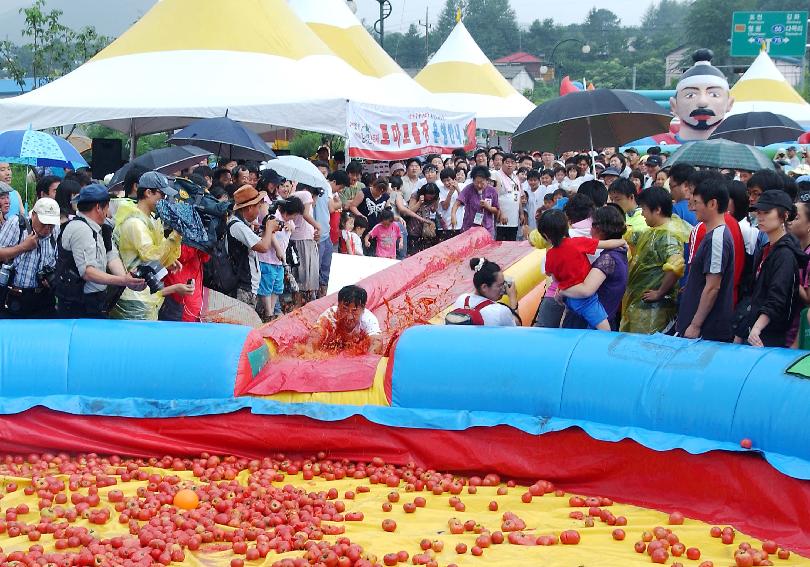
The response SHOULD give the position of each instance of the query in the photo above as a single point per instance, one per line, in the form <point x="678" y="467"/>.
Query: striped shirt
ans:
<point x="27" y="264"/>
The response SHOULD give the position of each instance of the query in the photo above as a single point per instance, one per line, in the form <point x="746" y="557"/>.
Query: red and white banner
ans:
<point x="388" y="133"/>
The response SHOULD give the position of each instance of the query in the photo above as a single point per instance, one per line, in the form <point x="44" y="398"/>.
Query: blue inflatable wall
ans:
<point x="662" y="391"/>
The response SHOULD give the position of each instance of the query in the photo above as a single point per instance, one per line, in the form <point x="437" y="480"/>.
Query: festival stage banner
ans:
<point x="388" y="133"/>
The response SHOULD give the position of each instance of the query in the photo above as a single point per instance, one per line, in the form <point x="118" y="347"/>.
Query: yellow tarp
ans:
<point x="545" y="515"/>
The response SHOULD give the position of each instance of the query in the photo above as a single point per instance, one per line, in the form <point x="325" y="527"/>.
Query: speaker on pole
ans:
<point x="107" y="157"/>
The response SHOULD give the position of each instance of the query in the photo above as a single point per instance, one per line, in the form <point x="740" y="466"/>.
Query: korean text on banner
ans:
<point x="388" y="133"/>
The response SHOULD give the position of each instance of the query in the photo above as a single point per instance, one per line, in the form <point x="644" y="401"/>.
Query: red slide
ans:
<point x="410" y="293"/>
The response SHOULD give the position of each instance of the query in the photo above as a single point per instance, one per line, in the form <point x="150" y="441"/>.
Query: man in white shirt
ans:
<point x="508" y="199"/>
<point x="347" y="325"/>
<point x="534" y="198"/>
<point x="411" y="178"/>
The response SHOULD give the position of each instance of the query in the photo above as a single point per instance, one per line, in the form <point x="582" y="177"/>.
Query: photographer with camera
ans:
<point x="145" y="251"/>
<point x="278" y="222"/>
<point x="244" y="245"/>
<point x="87" y="260"/>
<point x="28" y="253"/>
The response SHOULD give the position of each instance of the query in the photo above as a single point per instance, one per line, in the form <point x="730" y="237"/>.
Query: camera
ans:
<point x="47" y="277"/>
<point x="152" y="277"/>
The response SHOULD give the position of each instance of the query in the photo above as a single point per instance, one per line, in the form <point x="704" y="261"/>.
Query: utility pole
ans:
<point x="427" y="27"/>
<point x="634" y="77"/>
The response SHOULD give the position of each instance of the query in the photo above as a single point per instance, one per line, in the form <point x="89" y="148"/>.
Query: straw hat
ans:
<point x="246" y="196"/>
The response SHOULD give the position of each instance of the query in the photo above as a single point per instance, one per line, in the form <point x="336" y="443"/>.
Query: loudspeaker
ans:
<point x="107" y="156"/>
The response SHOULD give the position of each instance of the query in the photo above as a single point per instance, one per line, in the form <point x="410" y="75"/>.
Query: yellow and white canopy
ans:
<point x="461" y="76"/>
<point x="335" y="24"/>
<point x="188" y="59"/>
<point x="764" y="88"/>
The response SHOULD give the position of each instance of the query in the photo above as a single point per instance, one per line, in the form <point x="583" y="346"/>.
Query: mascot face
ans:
<point x="702" y="98"/>
<point x="700" y="108"/>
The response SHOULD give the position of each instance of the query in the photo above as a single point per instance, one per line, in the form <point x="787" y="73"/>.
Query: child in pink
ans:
<point x="387" y="234"/>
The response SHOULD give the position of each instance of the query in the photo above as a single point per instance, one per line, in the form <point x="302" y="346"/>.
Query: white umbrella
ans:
<point x="298" y="169"/>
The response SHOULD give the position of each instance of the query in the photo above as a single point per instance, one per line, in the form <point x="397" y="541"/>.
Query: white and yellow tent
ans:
<point x="461" y="76"/>
<point x="763" y="88"/>
<point x="188" y="59"/>
<point x="335" y="24"/>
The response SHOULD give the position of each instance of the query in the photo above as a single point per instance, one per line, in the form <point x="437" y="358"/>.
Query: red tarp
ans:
<point x="409" y="293"/>
<point x="739" y="489"/>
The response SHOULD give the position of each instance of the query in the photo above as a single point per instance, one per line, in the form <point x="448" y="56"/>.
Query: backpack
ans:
<point x="220" y="273"/>
<point x="467" y="315"/>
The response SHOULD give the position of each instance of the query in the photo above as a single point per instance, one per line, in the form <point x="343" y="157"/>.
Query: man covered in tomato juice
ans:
<point x="347" y="326"/>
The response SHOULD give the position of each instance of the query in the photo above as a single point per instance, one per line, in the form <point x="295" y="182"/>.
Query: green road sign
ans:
<point x="784" y="32"/>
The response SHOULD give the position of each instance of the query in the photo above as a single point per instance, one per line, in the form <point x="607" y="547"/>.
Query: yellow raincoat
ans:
<point x="140" y="239"/>
<point x="655" y="251"/>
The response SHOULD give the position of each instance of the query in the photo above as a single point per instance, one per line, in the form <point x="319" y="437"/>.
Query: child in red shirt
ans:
<point x="567" y="262"/>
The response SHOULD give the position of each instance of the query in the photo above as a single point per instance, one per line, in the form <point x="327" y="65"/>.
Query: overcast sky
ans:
<point x="406" y="12"/>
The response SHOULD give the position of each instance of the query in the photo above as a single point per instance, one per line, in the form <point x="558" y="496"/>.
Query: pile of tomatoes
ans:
<point x="163" y="509"/>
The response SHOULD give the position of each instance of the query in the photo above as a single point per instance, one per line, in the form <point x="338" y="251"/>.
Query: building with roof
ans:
<point x="517" y="75"/>
<point x="531" y="63"/>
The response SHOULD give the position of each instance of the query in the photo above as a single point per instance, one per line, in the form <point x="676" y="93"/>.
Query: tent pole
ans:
<point x="133" y="140"/>
<point x="590" y="138"/>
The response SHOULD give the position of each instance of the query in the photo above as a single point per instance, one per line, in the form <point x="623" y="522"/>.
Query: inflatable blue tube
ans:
<point x="662" y="391"/>
<point x="119" y="359"/>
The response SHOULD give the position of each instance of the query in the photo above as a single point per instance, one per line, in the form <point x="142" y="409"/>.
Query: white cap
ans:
<point x="47" y="211"/>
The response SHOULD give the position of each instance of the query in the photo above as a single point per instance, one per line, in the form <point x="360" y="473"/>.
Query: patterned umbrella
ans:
<point x="39" y="149"/>
<point x="721" y="154"/>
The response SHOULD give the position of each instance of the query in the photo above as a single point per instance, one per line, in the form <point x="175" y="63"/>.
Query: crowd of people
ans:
<point x="633" y="244"/>
<point x="638" y="246"/>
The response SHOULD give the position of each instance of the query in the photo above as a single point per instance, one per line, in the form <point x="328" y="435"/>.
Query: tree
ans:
<point x="657" y="24"/>
<point x="610" y="74"/>
<point x="602" y="29"/>
<point x="410" y="52"/>
<point x="541" y="37"/>
<point x="708" y="24"/>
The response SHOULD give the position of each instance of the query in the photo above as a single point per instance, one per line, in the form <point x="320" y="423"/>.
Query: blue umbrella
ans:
<point x="40" y="149"/>
<point x="225" y="138"/>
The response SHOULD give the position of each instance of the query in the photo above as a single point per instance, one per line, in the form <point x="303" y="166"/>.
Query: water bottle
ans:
<point x="5" y="274"/>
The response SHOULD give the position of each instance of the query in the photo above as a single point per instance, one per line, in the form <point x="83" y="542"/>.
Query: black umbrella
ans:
<point x="598" y="118"/>
<point x="163" y="160"/>
<point x="225" y="138"/>
<point x="758" y="129"/>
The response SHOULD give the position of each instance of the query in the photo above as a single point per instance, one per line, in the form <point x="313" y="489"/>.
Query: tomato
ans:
<point x="783" y="554"/>
<point x="618" y="535"/>
<point x="743" y="559"/>
<point x="569" y="537"/>
<point x="693" y="553"/>
<point x="493" y="506"/>
<point x="675" y="519"/>
<point x="461" y="548"/>
<point x="526" y="497"/>
<point x="389" y="525"/>
<point x="746" y="443"/>
<point x="477" y="551"/>
<point x="640" y="547"/>
<point x="769" y="546"/>
<point x="677" y="549"/>
<point x="497" y="538"/>
<point x="715" y="531"/>
<point x="390" y="559"/>
<point x="659" y="556"/>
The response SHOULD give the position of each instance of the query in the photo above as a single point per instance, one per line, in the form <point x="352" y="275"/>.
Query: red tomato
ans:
<point x="461" y="548"/>
<point x="659" y="556"/>
<point x="743" y="559"/>
<point x="640" y="547"/>
<point x="693" y="553"/>
<point x="783" y="554"/>
<point x="618" y="535"/>
<point x="715" y="531"/>
<point x="769" y="546"/>
<point x="675" y="519"/>
<point x="677" y="549"/>
<point x="746" y="443"/>
<point x="569" y="537"/>
<point x="389" y="525"/>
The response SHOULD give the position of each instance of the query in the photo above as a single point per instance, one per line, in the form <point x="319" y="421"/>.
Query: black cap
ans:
<point x="772" y="199"/>
<point x="654" y="160"/>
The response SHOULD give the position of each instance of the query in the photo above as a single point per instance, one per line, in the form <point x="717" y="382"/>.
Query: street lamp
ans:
<point x="385" y="11"/>
<point x="558" y="68"/>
